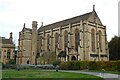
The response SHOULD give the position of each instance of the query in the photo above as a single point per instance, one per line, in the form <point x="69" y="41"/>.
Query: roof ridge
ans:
<point x="28" y="28"/>
<point x="66" y="21"/>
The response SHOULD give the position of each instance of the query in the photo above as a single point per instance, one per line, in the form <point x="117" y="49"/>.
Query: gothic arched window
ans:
<point x="8" y="54"/>
<point x="65" y="39"/>
<point x="93" y="40"/>
<point x="56" y="39"/>
<point x="40" y="40"/>
<point x="40" y="43"/>
<point x="100" y="40"/>
<point x="48" y="42"/>
<point x="77" y="39"/>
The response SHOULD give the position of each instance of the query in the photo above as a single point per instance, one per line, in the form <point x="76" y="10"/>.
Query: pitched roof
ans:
<point x="27" y="29"/>
<point x="24" y="28"/>
<point x="65" y="22"/>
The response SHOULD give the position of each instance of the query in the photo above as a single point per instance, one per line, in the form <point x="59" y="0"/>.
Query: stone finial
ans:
<point x="93" y="7"/>
<point x="41" y="24"/>
<point x="24" y="25"/>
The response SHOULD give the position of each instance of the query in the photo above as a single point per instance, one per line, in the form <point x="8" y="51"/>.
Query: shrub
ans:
<point x="118" y="65"/>
<point x="72" y="65"/>
<point x="83" y="64"/>
<point x="92" y="65"/>
<point x="63" y="65"/>
<point x="107" y="65"/>
<point x="110" y="65"/>
<point x="57" y="62"/>
<point x="75" y="65"/>
<point x="11" y="61"/>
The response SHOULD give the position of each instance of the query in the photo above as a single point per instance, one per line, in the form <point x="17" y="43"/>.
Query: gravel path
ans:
<point x="106" y="76"/>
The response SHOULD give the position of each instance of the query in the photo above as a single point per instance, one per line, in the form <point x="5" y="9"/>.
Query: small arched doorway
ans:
<point x="73" y="58"/>
<point x="28" y="62"/>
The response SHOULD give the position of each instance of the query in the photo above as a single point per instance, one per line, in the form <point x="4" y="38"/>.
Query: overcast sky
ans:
<point x="14" y="13"/>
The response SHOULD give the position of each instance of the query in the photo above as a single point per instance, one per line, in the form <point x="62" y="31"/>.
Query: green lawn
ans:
<point x="44" y="74"/>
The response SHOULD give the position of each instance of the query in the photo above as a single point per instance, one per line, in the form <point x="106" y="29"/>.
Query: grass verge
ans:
<point x="43" y="74"/>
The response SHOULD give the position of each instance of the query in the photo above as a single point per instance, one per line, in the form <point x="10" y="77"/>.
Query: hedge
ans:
<point x="106" y="65"/>
<point x="118" y="65"/>
<point x="91" y="65"/>
<point x="74" y="65"/>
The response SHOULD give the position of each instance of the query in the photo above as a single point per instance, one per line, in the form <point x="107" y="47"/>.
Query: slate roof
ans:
<point x="6" y="41"/>
<point x="24" y="29"/>
<point x="28" y="29"/>
<point x="65" y="22"/>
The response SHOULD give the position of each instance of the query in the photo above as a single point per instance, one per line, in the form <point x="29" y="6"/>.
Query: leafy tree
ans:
<point x="114" y="48"/>
<point x="47" y="58"/>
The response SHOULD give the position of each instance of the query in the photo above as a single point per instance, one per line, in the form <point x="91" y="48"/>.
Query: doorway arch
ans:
<point x="28" y="61"/>
<point x="73" y="58"/>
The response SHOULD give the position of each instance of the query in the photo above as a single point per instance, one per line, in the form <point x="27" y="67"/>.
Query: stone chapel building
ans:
<point x="78" y="38"/>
